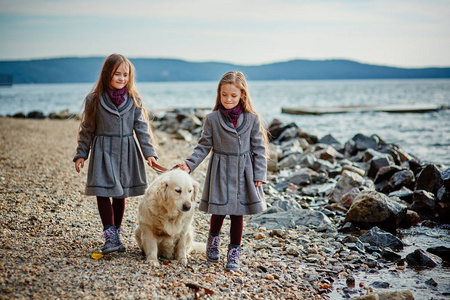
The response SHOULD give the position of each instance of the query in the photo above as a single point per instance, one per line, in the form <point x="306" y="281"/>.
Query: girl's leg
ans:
<point x="118" y="206"/>
<point x="216" y="224"/>
<point x="105" y="210"/>
<point x="236" y="228"/>
<point x="213" y="244"/>
<point x="118" y="210"/>
<point x="112" y="241"/>
<point x="234" y="248"/>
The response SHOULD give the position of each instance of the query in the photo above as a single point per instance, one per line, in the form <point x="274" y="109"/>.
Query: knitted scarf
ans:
<point x="231" y="114"/>
<point x="117" y="96"/>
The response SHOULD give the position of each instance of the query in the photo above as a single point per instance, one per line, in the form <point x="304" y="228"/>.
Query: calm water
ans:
<point x="425" y="135"/>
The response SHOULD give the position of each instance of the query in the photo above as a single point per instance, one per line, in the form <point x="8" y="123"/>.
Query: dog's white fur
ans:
<point x="165" y="218"/>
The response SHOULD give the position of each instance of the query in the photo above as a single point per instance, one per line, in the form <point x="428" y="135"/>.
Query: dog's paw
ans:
<point x="153" y="263"/>
<point x="183" y="261"/>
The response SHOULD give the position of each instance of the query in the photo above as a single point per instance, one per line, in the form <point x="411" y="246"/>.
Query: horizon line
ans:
<point x="223" y="62"/>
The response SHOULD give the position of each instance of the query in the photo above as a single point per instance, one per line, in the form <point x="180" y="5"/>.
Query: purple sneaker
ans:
<point x="233" y="258"/>
<point x="212" y="248"/>
<point x="112" y="241"/>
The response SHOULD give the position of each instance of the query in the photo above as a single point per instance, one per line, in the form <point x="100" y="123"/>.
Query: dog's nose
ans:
<point x="186" y="207"/>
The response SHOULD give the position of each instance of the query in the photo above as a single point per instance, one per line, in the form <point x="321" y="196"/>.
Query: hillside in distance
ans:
<point x="75" y="70"/>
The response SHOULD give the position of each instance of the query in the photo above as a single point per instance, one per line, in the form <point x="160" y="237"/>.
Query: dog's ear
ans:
<point x="162" y="191"/>
<point x="196" y="189"/>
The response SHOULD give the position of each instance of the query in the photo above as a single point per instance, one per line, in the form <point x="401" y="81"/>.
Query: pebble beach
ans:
<point x="49" y="231"/>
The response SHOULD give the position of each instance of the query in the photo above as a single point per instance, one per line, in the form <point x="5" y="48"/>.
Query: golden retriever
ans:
<point x="165" y="218"/>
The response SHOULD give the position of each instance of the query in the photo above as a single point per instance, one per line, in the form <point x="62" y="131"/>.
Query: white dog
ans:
<point x="165" y="216"/>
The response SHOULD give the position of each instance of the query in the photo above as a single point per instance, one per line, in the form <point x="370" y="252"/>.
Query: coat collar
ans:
<point x="242" y="123"/>
<point x="109" y="106"/>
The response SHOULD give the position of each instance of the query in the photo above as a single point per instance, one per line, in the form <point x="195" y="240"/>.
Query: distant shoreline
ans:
<point x="77" y="70"/>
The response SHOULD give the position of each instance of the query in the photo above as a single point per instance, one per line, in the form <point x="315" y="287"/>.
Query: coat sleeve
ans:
<point x="143" y="135"/>
<point x="259" y="153"/>
<point x="84" y="138"/>
<point x="203" y="147"/>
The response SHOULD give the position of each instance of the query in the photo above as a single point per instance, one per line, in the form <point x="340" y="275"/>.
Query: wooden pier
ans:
<point x="398" y="109"/>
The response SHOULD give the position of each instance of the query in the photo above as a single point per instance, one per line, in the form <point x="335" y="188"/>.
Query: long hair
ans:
<point x="110" y="66"/>
<point x="239" y="81"/>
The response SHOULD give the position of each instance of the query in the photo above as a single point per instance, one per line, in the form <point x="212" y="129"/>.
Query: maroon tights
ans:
<point x="111" y="214"/>
<point x="237" y="225"/>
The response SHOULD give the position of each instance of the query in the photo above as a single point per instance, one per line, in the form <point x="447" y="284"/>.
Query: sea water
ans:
<point x="425" y="135"/>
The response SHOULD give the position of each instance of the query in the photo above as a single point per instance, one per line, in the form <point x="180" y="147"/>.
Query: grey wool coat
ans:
<point x="116" y="167"/>
<point x="237" y="161"/>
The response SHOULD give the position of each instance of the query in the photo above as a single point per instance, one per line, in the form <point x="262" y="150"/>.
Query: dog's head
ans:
<point x="178" y="190"/>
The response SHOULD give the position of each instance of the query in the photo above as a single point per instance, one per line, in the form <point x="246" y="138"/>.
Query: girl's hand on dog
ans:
<point x="79" y="164"/>
<point x="183" y="166"/>
<point x="151" y="160"/>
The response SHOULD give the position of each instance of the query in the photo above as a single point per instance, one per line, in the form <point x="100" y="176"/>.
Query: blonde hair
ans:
<point x="110" y="66"/>
<point x="239" y="81"/>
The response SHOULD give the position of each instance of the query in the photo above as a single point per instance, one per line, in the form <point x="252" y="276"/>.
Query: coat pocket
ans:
<point x="101" y="164"/>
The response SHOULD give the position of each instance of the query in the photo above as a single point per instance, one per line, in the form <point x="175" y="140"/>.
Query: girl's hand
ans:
<point x="183" y="166"/>
<point x="79" y="164"/>
<point x="151" y="160"/>
<point x="258" y="183"/>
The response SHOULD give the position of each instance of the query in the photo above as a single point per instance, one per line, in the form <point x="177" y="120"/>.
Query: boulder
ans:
<point x="421" y="259"/>
<point x="329" y="153"/>
<point x="346" y="182"/>
<point x="360" y="142"/>
<point x="441" y="251"/>
<point x="411" y="219"/>
<point x="371" y="208"/>
<point x="376" y="163"/>
<point x="302" y="176"/>
<point x="19" y="115"/>
<point x="329" y="140"/>
<point x="445" y="176"/>
<point x="404" y="194"/>
<point x="354" y="169"/>
<point x="290" y="161"/>
<point x="403" y="178"/>
<point x="429" y="179"/>
<point x="397" y="295"/>
<point x="291" y="218"/>
<point x="425" y="205"/>
<point x="379" y="238"/>
<point x="349" y="197"/>
<point x="36" y="115"/>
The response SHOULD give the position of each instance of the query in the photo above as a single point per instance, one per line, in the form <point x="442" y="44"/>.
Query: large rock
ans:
<point x="398" y="295"/>
<point x="360" y="142"/>
<point x="429" y="179"/>
<point x="403" y="178"/>
<point x="376" y="163"/>
<point x="445" y="176"/>
<point x="36" y="115"/>
<point x="288" y="215"/>
<point x="421" y="259"/>
<point x="379" y="238"/>
<point x="441" y="251"/>
<point x="371" y="208"/>
<point x="346" y="182"/>
<point x="425" y="205"/>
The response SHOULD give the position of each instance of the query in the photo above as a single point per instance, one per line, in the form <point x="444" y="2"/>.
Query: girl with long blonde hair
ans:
<point x="114" y="115"/>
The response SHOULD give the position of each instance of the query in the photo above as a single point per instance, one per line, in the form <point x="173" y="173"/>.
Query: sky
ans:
<point x="402" y="33"/>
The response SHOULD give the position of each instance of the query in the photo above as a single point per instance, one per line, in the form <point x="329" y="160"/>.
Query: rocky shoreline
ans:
<point x="335" y="210"/>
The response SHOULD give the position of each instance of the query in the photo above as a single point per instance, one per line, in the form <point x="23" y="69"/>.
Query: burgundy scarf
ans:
<point x="231" y="114"/>
<point x="117" y="96"/>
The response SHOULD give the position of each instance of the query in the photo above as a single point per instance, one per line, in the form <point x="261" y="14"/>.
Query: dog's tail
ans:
<point x="198" y="247"/>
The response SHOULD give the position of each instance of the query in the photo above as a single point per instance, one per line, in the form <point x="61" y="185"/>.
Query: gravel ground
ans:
<point x="49" y="230"/>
